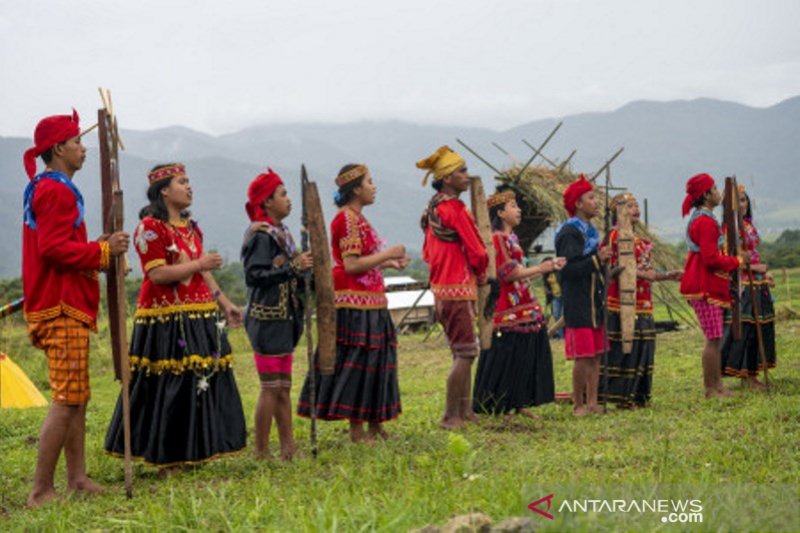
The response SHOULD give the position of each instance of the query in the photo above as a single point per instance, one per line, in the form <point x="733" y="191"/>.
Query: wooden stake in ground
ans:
<point x="481" y="213"/>
<point x="113" y="221"/>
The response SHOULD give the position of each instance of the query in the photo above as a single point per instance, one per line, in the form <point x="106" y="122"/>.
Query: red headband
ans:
<point x="261" y="188"/>
<point x="574" y="191"/>
<point x="49" y="132"/>
<point x="170" y="171"/>
<point x="696" y="187"/>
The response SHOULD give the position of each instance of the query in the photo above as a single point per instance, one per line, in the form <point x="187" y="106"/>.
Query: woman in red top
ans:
<point x="364" y="386"/>
<point x="705" y="283"/>
<point x="630" y="376"/>
<point x="741" y="358"/>
<point x="185" y="407"/>
<point x="517" y="371"/>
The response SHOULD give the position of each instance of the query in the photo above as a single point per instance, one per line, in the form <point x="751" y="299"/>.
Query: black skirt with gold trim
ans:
<point x="741" y="358"/>
<point x="185" y="406"/>
<point x="630" y="376"/>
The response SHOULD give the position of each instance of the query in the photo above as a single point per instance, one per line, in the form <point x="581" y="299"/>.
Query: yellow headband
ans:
<point x="353" y="174"/>
<point x="441" y="163"/>
<point x="500" y="198"/>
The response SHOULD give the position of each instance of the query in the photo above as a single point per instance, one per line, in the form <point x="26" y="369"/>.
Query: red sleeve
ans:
<point x="454" y="214"/>
<point x="55" y="211"/>
<point x="706" y="234"/>
<point x="151" y="242"/>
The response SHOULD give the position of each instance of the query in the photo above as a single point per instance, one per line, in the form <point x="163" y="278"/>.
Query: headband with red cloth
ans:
<point x="574" y="191"/>
<point x="261" y="188"/>
<point x="49" y="132"/>
<point x="696" y="187"/>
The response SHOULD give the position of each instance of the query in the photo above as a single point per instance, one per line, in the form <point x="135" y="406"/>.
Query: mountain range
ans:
<point x="665" y="143"/>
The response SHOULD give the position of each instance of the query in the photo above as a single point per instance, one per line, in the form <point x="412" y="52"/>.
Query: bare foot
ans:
<point x="528" y="414"/>
<point x="597" y="409"/>
<point x="580" y="411"/>
<point x="39" y="498"/>
<point x="165" y="472"/>
<point x="358" y="435"/>
<point x="725" y="393"/>
<point x="376" y="430"/>
<point x="451" y="423"/>
<point x="756" y="385"/>
<point x="86" y="485"/>
<point x="472" y="418"/>
<point x="264" y="455"/>
<point x="287" y="454"/>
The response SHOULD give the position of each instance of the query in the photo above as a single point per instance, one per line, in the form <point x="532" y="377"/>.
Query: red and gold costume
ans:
<point x="643" y="250"/>
<point x="517" y="308"/>
<point x="352" y="235"/>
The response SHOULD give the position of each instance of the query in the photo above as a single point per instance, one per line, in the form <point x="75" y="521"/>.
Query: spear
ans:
<point x="606" y="276"/>
<point x="312" y="377"/>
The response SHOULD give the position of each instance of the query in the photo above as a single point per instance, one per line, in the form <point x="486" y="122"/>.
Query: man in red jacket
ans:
<point x="59" y="280"/>
<point x="457" y="259"/>
<point x="706" y="282"/>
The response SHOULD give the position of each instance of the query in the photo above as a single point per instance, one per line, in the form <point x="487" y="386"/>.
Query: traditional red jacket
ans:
<point x="455" y="266"/>
<point x="517" y="308"/>
<point x="705" y="275"/>
<point x="59" y="265"/>
<point x="351" y="234"/>
<point x="158" y="244"/>
<point x="643" y="250"/>
<point x="750" y="241"/>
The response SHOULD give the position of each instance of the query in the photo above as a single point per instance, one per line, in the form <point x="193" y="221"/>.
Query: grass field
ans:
<point x="739" y="457"/>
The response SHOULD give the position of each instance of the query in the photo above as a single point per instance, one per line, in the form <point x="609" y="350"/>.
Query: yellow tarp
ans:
<point x="16" y="390"/>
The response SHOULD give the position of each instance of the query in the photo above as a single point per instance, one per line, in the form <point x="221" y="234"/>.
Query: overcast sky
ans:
<point x="218" y="66"/>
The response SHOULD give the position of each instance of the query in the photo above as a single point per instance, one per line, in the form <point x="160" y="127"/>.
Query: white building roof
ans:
<point x="405" y="299"/>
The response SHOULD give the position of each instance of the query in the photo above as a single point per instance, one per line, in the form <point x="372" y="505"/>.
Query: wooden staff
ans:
<point x="113" y="221"/>
<point x="627" y="279"/>
<point x="323" y="279"/>
<point x="730" y="222"/>
<point x="481" y="213"/>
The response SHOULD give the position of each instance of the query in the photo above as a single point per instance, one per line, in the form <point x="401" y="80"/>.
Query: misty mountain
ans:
<point x="665" y="143"/>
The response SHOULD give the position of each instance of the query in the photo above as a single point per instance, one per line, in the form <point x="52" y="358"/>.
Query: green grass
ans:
<point x="739" y="456"/>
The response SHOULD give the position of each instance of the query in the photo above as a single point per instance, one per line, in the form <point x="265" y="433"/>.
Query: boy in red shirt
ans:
<point x="706" y="282"/>
<point x="59" y="280"/>
<point x="457" y="260"/>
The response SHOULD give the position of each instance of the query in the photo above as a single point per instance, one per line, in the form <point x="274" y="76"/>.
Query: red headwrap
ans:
<point x="49" y="132"/>
<point x="259" y="190"/>
<point x="574" y="191"/>
<point x="696" y="187"/>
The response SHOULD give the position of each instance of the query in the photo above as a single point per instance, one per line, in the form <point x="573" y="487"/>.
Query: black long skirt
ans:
<point x="630" y="376"/>
<point x="185" y="406"/>
<point x="363" y="387"/>
<point x="515" y="373"/>
<point x="741" y="358"/>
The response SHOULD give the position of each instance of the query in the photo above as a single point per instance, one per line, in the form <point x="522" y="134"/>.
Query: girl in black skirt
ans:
<point x="517" y="371"/>
<point x="630" y="377"/>
<point x="363" y="387"/>
<point x="741" y="358"/>
<point x="185" y="407"/>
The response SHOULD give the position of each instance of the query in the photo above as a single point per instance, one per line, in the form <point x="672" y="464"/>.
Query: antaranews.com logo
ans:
<point x="672" y="511"/>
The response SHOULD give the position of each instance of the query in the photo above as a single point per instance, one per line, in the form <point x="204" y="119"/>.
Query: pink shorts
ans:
<point x="274" y="370"/>
<point x="583" y="343"/>
<point x="710" y="318"/>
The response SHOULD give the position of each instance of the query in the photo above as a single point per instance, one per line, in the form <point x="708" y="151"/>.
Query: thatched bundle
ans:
<point x="539" y="191"/>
